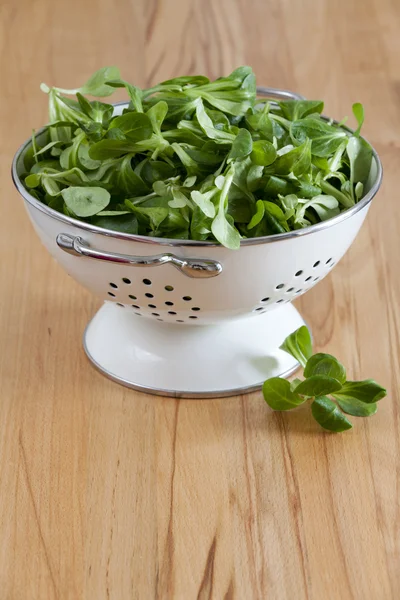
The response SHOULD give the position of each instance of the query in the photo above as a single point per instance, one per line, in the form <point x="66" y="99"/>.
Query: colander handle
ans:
<point x="192" y="267"/>
<point x="276" y="94"/>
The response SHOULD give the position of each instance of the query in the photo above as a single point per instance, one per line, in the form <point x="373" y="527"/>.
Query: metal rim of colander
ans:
<point x="192" y="243"/>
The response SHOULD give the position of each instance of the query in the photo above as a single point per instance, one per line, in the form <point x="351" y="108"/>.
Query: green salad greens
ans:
<point x="324" y="376"/>
<point x="194" y="159"/>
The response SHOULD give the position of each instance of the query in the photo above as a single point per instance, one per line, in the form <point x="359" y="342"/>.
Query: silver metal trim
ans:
<point x="172" y="393"/>
<point x="278" y="94"/>
<point x="191" y="267"/>
<point x="193" y="243"/>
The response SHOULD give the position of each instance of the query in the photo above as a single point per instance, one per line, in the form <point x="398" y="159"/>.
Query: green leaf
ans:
<point x="299" y="345"/>
<point x="254" y="178"/>
<point x="358" y="112"/>
<point x="242" y="145"/>
<point x="200" y="226"/>
<point x="157" y="114"/>
<point x="261" y="122"/>
<point x="189" y="181"/>
<point x="222" y="229"/>
<point x="85" y="201"/>
<point x="325" y="364"/>
<point x="84" y="159"/>
<point x="368" y="391"/>
<point x="325" y="138"/>
<point x="97" y="111"/>
<point x="50" y="186"/>
<point x="156" y="170"/>
<point x="207" y="125"/>
<point x="263" y="153"/>
<point x="110" y="149"/>
<point x="274" y="210"/>
<point x="134" y="93"/>
<point x="193" y="80"/>
<point x="296" y="161"/>
<point x="117" y="221"/>
<point x="360" y="156"/>
<point x="154" y="214"/>
<point x="318" y="385"/>
<point x="343" y="198"/>
<point x="356" y="408"/>
<point x="298" y="109"/>
<point x="279" y="396"/>
<point x="326" y="207"/>
<point x="128" y="181"/>
<point x="273" y="224"/>
<point x="179" y="200"/>
<point x="358" y="190"/>
<point x="203" y="201"/>
<point x="328" y="415"/>
<point x="46" y="148"/>
<point x="278" y="185"/>
<point x="224" y="232"/>
<point x="192" y="168"/>
<point x="136" y="126"/>
<point x="33" y="180"/>
<point x="258" y="216"/>
<point x="96" y="85"/>
<point x="57" y="203"/>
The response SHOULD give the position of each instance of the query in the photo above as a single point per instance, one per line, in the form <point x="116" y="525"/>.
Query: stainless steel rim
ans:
<point x="193" y="243"/>
<point x="173" y="393"/>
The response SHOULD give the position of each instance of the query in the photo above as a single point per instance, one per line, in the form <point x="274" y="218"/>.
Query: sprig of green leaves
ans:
<point x="324" y="376"/>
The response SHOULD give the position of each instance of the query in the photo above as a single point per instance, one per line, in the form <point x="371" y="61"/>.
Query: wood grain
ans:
<point x="107" y="494"/>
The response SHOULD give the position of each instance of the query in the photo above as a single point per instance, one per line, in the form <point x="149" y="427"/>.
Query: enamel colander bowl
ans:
<point x="194" y="319"/>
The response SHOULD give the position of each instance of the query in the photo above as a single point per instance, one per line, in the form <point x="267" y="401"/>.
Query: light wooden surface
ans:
<point x="109" y="494"/>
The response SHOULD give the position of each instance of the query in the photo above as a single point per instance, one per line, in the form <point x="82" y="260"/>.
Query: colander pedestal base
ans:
<point x="230" y="358"/>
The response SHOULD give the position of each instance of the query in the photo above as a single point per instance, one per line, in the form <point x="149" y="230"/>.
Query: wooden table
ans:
<point x="110" y="494"/>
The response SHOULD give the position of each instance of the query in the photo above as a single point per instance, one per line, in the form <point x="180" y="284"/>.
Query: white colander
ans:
<point x="188" y="318"/>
